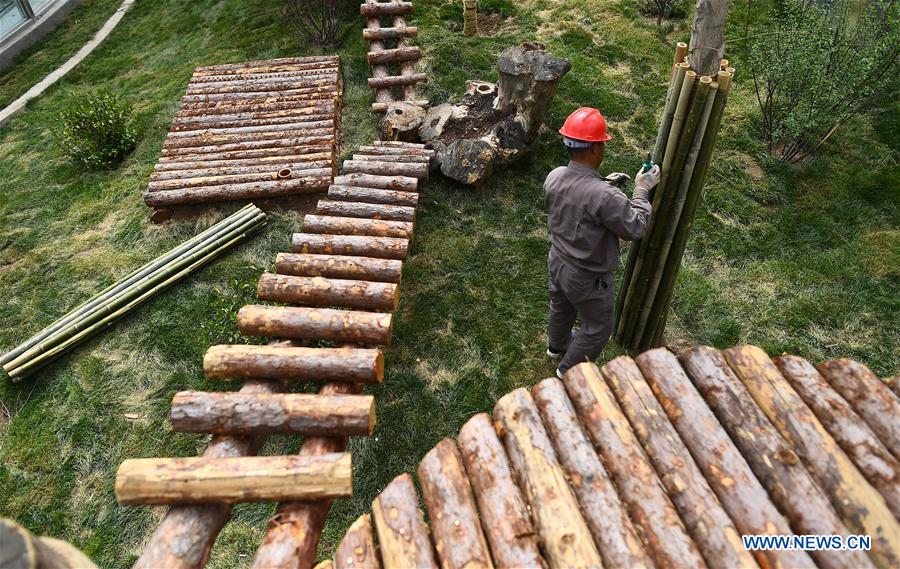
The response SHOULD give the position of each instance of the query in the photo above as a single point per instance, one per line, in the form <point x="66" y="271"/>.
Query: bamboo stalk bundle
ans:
<point x="118" y="299"/>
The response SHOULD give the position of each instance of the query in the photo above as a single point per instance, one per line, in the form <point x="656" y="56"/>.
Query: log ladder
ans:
<point x="380" y="57"/>
<point x="339" y="284"/>
<point x="660" y="461"/>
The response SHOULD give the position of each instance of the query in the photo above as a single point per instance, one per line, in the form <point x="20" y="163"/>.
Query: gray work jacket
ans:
<point x="587" y="216"/>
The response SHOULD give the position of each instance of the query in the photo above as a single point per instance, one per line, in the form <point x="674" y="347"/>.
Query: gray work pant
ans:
<point x="575" y="293"/>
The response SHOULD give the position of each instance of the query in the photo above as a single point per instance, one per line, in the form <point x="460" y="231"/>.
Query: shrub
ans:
<point x="320" y="22"/>
<point x="662" y="9"/>
<point x="96" y="130"/>
<point x="817" y="65"/>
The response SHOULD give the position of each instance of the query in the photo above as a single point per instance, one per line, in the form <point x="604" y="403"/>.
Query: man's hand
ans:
<point x="645" y="181"/>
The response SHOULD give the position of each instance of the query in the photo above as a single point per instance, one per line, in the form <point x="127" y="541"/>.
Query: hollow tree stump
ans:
<point x="401" y="121"/>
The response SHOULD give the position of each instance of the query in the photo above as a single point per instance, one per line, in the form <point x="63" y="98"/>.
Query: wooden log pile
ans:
<point x="255" y="130"/>
<point x="658" y="461"/>
<point x="338" y="284"/>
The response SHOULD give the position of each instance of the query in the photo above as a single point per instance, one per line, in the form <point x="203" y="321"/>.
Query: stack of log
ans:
<point x="339" y="284"/>
<point x="687" y="135"/>
<point x="658" y="461"/>
<point x="117" y="300"/>
<point x="390" y="89"/>
<point x="261" y="129"/>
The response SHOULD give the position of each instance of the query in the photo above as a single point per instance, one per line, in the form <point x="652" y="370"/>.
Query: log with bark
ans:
<point x="294" y="363"/>
<point x="320" y="291"/>
<point x="562" y="529"/>
<point x="455" y="526"/>
<point x="402" y="533"/>
<point x="370" y="34"/>
<point x="402" y="183"/>
<point x="397" y="80"/>
<point x="395" y="55"/>
<point x="373" y="195"/>
<point x="418" y="158"/>
<point x="382" y="150"/>
<point x="357" y="548"/>
<point x="306" y="182"/>
<point x="204" y="480"/>
<point x="300" y="323"/>
<point x="366" y="210"/>
<point x="861" y="507"/>
<point x="706" y="521"/>
<point x="385" y="8"/>
<point x="333" y="225"/>
<point x="355" y="245"/>
<point x="504" y="514"/>
<point x="604" y="513"/>
<point x="654" y="516"/>
<point x="739" y="491"/>
<point x="387" y="168"/>
<point x="339" y="267"/>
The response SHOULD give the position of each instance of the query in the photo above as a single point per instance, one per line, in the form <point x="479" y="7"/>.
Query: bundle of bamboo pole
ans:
<point x="119" y="298"/>
<point x="687" y="135"/>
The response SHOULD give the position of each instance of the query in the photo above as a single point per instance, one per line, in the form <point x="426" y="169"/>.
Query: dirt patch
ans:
<point x="493" y="24"/>
<point x="752" y="168"/>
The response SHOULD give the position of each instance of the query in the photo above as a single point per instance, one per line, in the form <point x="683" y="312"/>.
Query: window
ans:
<point x="13" y="13"/>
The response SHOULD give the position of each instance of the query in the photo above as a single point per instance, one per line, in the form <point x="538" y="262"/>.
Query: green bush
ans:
<point x="96" y="130"/>
<point x="663" y="9"/>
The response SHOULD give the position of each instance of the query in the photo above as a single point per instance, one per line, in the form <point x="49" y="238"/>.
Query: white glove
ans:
<point x="618" y="178"/>
<point x="646" y="180"/>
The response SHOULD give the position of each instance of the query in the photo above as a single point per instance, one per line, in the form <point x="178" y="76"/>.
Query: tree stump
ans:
<point x="401" y="121"/>
<point x="494" y="125"/>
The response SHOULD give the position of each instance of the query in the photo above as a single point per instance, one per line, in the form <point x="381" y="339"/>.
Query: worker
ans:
<point x="587" y="216"/>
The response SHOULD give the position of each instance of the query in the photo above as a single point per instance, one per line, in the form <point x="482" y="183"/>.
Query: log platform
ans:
<point x="256" y="130"/>
<point x="391" y="87"/>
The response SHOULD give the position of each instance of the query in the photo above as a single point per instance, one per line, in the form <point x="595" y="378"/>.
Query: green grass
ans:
<point x="799" y="259"/>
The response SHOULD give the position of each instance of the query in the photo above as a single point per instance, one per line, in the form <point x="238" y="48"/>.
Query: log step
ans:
<point x="402" y="183"/>
<point x="373" y="196"/>
<point x="273" y="414"/>
<point x="377" y="9"/>
<point x="336" y="225"/>
<point x="406" y="157"/>
<point x="319" y="291"/>
<point x="395" y="55"/>
<point x="339" y="267"/>
<point x="294" y="363"/>
<point x="386" y="168"/>
<point x="367" y="210"/>
<point x="379" y="34"/>
<point x="357" y="548"/>
<point x="396" y="151"/>
<point x="299" y="323"/>
<point x="397" y="80"/>
<point x="363" y="246"/>
<point x="402" y="533"/>
<point x="233" y="480"/>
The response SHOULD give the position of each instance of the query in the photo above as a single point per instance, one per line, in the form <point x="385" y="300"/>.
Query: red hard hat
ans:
<point x="586" y="124"/>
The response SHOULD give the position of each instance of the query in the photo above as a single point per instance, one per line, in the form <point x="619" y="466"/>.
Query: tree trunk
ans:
<point x="653" y="513"/>
<point x="273" y="414"/>
<point x="402" y="533"/>
<point x="373" y="196"/>
<point x="339" y="267"/>
<point x="861" y="507"/>
<point x="315" y="324"/>
<point x="868" y="453"/>
<point x="504" y="515"/>
<point x="566" y="538"/>
<point x="364" y="246"/>
<point x="770" y="456"/>
<point x="604" y="513"/>
<point x="455" y="526"/>
<point x="366" y="210"/>
<point x="245" y="479"/>
<point x="703" y="515"/>
<point x="707" y="45"/>
<point x="743" y="497"/>
<point x="294" y="363"/>
<point x="357" y="548"/>
<point x="319" y="291"/>
<point x="470" y="17"/>
<point x="331" y="225"/>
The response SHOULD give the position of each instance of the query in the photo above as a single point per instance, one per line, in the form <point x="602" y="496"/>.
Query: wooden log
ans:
<point x="322" y="159"/>
<point x="366" y="210"/>
<point x="504" y="514"/>
<point x="294" y="363"/>
<point x="402" y="120"/>
<point x="373" y="195"/>
<point x="315" y="324"/>
<point x="564" y="533"/>
<point x="339" y="267"/>
<point x="740" y="493"/>
<point x="23" y="550"/>
<point x="604" y="513"/>
<point x="312" y="181"/>
<point x="250" y="112"/>
<point x="267" y="63"/>
<point x="397" y="80"/>
<point x="399" y="144"/>
<point x="413" y="169"/>
<point x="773" y="461"/>
<point x="183" y="142"/>
<point x="861" y="507"/>
<point x="402" y="183"/>
<point x="319" y="291"/>
<point x="849" y="430"/>
<point x="188" y="181"/>
<point x="370" y="34"/>
<point x="383" y="107"/>
<point x="394" y="55"/>
<point x="376" y="9"/>
<point x="378" y="247"/>
<point x="263" y="76"/>
<point x="393" y="157"/>
<point x="651" y="510"/>
<point x="869" y="396"/>
<point x="325" y="564"/>
<point x="228" y="169"/>
<point x="402" y="534"/>
<point x="191" y="125"/>
<point x="299" y="124"/>
<point x="703" y="516"/>
<point x="331" y="225"/>
<point x="325" y="140"/>
<point x="395" y="151"/>
<point x="455" y="526"/>
<point x="262" y="154"/>
<point x="275" y="413"/>
<point x="232" y="480"/>
<point x="325" y="83"/>
<point x="894" y="383"/>
<point x="357" y="548"/>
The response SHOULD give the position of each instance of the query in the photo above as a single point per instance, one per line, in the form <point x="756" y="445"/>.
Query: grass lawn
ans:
<point x="801" y="259"/>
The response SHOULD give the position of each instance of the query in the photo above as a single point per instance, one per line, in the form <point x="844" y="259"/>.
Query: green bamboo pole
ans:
<point x="670" y="211"/>
<point x="70" y="335"/>
<point x="221" y="228"/>
<point x="701" y="169"/>
<point x="120" y="285"/>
